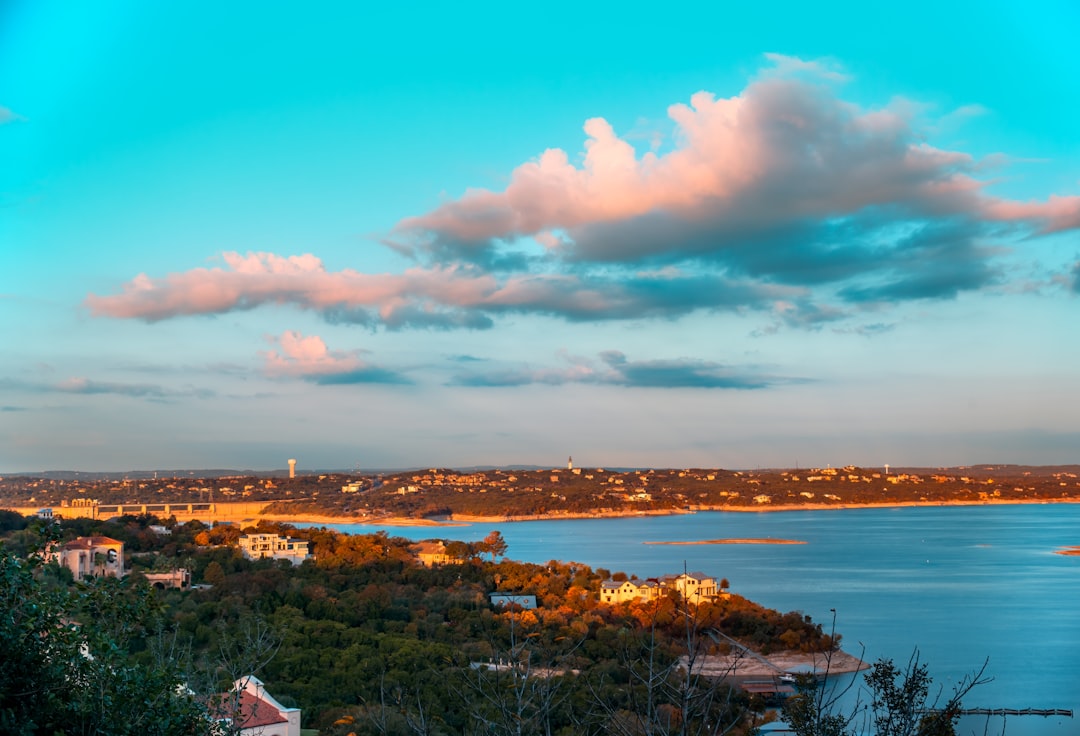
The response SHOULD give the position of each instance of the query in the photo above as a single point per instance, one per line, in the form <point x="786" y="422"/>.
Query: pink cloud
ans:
<point x="431" y="297"/>
<point x="786" y="149"/>
<point x="1054" y="215"/>
<point x="310" y="359"/>
<point x="307" y="356"/>
<point x="255" y="279"/>
<point x="785" y="199"/>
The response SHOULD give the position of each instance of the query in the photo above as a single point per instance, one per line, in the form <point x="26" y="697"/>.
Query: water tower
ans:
<point x="292" y="468"/>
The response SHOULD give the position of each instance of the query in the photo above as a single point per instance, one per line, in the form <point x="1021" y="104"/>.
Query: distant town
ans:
<point x="509" y="494"/>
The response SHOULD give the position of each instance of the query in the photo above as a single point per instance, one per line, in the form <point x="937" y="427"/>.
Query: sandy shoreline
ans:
<point x="742" y="667"/>
<point x="457" y="520"/>
<point x="325" y="519"/>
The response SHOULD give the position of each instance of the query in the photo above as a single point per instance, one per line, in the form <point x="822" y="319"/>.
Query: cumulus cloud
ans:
<point x="785" y="199"/>
<point x="309" y="358"/>
<point x="786" y="182"/>
<point x="613" y="368"/>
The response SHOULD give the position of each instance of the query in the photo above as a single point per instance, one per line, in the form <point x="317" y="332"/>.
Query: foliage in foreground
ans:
<point x="65" y="664"/>
<point x="368" y="642"/>
<point x="901" y="704"/>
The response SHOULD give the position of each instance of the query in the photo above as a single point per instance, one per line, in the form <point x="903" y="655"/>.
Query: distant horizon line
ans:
<point x="284" y="471"/>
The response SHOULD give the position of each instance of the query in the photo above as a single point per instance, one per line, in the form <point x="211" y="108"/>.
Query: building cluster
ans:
<point x="695" y="587"/>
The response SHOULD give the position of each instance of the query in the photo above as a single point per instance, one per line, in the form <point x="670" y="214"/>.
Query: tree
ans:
<point x="900" y="704"/>
<point x="523" y="689"/>
<point x="214" y="573"/>
<point x="494" y="545"/>
<point x="65" y="662"/>
<point x="668" y="689"/>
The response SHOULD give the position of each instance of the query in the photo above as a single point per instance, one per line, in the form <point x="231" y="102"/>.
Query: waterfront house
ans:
<point x="695" y="587"/>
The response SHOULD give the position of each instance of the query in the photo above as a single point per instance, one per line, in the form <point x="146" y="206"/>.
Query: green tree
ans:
<point x="65" y="662"/>
<point x="214" y="573"/>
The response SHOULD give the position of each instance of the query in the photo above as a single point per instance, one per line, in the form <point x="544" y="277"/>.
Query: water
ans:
<point x="963" y="585"/>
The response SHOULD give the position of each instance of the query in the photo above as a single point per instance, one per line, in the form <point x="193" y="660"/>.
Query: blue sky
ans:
<point x="721" y="236"/>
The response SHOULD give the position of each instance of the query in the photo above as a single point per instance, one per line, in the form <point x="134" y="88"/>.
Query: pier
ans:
<point x="1046" y="712"/>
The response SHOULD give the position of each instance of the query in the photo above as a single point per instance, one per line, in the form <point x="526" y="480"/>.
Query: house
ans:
<point x="258" y="546"/>
<point x="251" y="711"/>
<point x="614" y="591"/>
<point x="179" y="579"/>
<point x="431" y="552"/>
<point x="90" y="557"/>
<point x="695" y="587"/>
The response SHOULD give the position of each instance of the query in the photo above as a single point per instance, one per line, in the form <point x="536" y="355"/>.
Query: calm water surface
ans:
<point x="963" y="585"/>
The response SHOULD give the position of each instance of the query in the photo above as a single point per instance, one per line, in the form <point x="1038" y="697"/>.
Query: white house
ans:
<point x="252" y="710"/>
<point x="258" y="546"/>
<point x="90" y="557"/>
<point x="692" y="586"/>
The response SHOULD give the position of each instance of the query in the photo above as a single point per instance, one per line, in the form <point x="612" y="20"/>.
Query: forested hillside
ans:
<point x="366" y="640"/>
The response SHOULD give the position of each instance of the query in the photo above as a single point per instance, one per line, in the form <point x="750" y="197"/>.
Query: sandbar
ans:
<point x="735" y="541"/>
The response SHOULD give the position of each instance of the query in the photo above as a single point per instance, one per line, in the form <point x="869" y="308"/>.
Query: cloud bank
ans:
<point x="785" y="199"/>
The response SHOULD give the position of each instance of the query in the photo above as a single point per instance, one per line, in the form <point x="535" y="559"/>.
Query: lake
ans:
<point x="962" y="585"/>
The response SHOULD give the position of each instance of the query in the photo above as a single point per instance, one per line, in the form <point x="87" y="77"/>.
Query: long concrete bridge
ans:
<point x="182" y="511"/>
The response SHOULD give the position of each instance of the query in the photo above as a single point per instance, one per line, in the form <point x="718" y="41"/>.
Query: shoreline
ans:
<point x="461" y="520"/>
<point x="222" y="515"/>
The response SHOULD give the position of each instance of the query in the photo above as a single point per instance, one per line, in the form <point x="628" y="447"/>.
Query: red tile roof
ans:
<point x="253" y="712"/>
